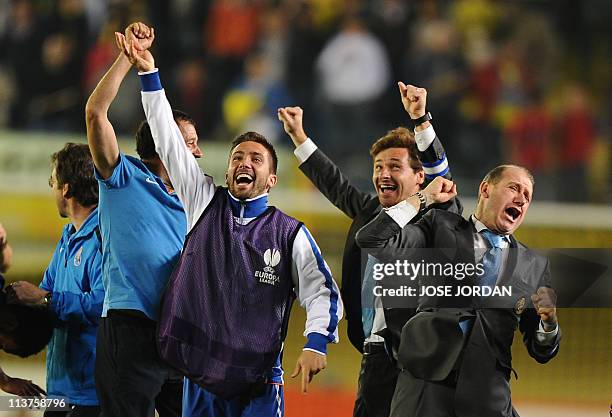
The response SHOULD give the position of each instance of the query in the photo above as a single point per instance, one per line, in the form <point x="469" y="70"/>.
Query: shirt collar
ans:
<point x="253" y="207"/>
<point x="88" y="226"/>
<point x="480" y="227"/>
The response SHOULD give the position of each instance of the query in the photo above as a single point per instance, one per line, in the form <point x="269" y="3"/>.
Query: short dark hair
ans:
<point x="145" y="145"/>
<point x="399" y="137"/>
<point x="495" y="175"/>
<point x="31" y="328"/>
<point x="256" y="137"/>
<point x="74" y="166"/>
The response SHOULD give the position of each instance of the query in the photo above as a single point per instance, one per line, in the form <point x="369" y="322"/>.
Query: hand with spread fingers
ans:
<point x="309" y="364"/>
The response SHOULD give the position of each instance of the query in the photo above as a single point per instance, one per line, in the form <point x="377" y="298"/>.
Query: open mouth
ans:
<point x="513" y="212"/>
<point x="387" y="188"/>
<point x="244" y="179"/>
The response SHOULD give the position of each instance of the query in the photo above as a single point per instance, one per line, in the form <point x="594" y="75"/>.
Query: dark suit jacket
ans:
<point x="361" y="207"/>
<point x="483" y="361"/>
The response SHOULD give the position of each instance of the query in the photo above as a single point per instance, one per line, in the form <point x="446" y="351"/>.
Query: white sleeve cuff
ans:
<point x="424" y="138"/>
<point x="148" y="72"/>
<point x="546" y="338"/>
<point x="303" y="152"/>
<point x="315" y="351"/>
<point x="402" y="213"/>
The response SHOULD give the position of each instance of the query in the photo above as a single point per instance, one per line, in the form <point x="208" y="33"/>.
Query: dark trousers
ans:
<point x="76" y="411"/>
<point x="131" y="379"/>
<point x="377" y="379"/>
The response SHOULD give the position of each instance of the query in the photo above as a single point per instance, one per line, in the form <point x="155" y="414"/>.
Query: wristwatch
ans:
<point x="47" y="299"/>
<point x="422" y="200"/>
<point x="424" y="118"/>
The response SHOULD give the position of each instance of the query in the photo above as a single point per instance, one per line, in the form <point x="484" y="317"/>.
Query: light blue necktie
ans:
<point x="491" y="261"/>
<point x="367" y="297"/>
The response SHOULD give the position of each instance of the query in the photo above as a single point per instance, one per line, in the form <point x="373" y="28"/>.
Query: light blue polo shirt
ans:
<point x="143" y="230"/>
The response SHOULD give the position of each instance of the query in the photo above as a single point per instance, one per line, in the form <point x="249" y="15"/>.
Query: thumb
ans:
<point x="297" y="370"/>
<point x="534" y="300"/>
<point x="284" y="116"/>
<point x="402" y="88"/>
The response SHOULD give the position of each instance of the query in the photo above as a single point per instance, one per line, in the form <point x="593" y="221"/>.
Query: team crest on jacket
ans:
<point x="268" y="275"/>
<point x="77" y="257"/>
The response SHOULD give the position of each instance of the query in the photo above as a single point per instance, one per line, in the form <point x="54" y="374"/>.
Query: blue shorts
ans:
<point x="197" y="402"/>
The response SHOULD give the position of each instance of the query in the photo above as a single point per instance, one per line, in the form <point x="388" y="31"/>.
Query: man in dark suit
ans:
<point x="403" y="164"/>
<point x="457" y="362"/>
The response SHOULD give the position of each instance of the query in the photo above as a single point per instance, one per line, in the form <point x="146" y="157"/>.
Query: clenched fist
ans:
<point x="292" y="122"/>
<point x="414" y="99"/>
<point x="440" y="190"/>
<point x="544" y="301"/>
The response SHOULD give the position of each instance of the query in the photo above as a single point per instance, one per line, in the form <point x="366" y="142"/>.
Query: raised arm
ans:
<point x="193" y="187"/>
<point x="321" y="170"/>
<point x="429" y="147"/>
<point x="100" y="133"/>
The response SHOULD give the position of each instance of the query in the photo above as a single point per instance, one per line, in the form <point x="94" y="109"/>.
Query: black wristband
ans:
<point x="424" y="118"/>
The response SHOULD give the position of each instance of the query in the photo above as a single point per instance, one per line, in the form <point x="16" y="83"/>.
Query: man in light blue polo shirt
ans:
<point x="72" y="285"/>
<point x="143" y="229"/>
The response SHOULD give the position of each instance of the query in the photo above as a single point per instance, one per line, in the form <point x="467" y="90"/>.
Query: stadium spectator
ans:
<point x="354" y="72"/>
<point x="575" y="140"/>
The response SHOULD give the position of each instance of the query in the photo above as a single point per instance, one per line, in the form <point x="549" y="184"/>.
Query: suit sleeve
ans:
<point x="332" y="183"/>
<point x="435" y="164"/>
<point x="387" y="231"/>
<point x="540" y="347"/>
<point x="432" y="155"/>
<point x="317" y="292"/>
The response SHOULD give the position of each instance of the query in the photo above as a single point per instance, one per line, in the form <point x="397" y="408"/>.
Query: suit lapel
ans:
<point x="465" y="239"/>
<point x="511" y="264"/>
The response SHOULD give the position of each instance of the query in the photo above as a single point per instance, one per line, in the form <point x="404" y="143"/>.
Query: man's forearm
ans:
<point x="100" y="133"/>
<point x="106" y="90"/>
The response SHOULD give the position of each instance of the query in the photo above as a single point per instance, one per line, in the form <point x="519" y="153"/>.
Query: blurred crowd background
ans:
<point x="522" y="81"/>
